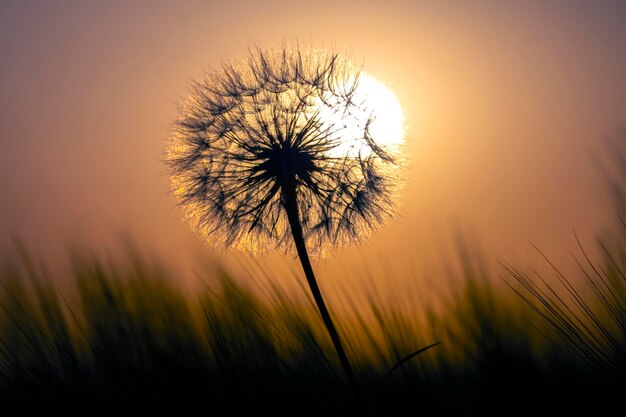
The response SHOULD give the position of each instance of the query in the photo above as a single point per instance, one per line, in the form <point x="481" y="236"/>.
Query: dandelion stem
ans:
<point x="291" y="207"/>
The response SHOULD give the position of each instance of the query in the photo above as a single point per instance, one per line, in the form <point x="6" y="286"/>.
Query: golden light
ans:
<point x="375" y="102"/>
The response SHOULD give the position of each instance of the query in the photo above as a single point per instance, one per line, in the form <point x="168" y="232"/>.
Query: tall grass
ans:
<point x="125" y="341"/>
<point x="585" y="320"/>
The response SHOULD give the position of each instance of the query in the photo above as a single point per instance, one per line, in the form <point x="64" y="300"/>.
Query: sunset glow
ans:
<point x="332" y="208"/>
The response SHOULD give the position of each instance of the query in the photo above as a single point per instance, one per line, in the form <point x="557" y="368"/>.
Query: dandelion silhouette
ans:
<point x="276" y="150"/>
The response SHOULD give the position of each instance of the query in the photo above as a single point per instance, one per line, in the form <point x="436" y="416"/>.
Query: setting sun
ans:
<point x="388" y="124"/>
<point x="376" y="105"/>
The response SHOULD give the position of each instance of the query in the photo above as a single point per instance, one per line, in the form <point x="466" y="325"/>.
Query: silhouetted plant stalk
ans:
<point x="296" y="229"/>
<point x="591" y="329"/>
<point x="276" y="150"/>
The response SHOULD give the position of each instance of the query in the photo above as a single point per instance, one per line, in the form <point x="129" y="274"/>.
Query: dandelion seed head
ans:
<point x="274" y="122"/>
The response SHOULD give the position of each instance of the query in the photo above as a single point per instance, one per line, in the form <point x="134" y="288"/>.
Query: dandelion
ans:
<point x="278" y="150"/>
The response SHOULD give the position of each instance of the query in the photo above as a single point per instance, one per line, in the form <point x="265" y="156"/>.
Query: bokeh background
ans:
<point x="509" y="107"/>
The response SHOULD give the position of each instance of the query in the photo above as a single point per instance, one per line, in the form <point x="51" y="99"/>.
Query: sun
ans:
<point x="388" y="125"/>
<point x="374" y="103"/>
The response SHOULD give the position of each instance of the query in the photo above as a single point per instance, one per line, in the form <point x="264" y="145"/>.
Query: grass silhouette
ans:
<point x="125" y="341"/>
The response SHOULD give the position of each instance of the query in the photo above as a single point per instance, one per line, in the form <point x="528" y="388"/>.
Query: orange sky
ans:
<point x="505" y="103"/>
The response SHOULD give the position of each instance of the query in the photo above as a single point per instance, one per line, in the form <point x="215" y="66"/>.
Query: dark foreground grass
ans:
<point x="126" y="342"/>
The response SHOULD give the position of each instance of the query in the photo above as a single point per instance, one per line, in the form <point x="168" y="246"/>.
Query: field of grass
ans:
<point x="125" y="341"/>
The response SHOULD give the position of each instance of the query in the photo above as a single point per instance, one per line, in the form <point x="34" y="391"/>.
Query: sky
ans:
<point x="506" y="106"/>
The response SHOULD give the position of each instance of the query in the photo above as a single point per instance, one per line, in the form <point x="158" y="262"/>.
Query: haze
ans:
<point x="505" y="103"/>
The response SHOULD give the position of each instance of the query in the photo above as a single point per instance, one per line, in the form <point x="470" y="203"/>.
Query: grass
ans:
<point x="123" y="340"/>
